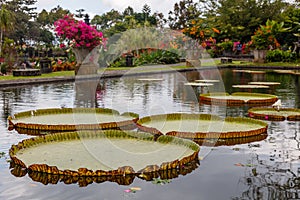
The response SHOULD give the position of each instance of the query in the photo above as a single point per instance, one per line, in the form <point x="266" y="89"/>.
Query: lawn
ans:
<point x="204" y="63"/>
<point x="49" y="75"/>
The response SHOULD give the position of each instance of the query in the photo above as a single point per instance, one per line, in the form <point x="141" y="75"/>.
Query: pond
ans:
<point x="266" y="167"/>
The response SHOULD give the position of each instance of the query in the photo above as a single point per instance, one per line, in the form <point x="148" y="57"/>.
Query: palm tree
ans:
<point x="6" y="23"/>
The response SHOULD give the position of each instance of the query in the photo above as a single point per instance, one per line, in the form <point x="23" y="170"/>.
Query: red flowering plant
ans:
<point x="264" y="37"/>
<point x="78" y="34"/>
<point x="201" y="31"/>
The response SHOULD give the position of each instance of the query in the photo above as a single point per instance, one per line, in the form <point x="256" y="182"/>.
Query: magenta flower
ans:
<point x="77" y="33"/>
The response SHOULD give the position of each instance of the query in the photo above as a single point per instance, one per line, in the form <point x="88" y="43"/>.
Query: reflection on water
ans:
<point x="46" y="179"/>
<point x="262" y="168"/>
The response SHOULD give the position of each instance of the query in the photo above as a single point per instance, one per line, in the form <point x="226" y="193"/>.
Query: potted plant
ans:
<point x="81" y="37"/>
<point x="226" y="47"/>
<point x="264" y="39"/>
<point x="199" y="33"/>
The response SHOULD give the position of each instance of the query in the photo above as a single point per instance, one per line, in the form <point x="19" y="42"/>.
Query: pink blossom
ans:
<point x="78" y="33"/>
<point x="62" y="45"/>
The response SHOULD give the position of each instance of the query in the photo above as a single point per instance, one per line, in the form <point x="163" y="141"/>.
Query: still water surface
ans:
<point x="263" y="168"/>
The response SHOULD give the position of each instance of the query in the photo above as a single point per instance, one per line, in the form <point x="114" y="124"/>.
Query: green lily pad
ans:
<point x="250" y="86"/>
<point x="264" y="83"/>
<point x="238" y="99"/>
<point x="200" y="126"/>
<point x="103" y="153"/>
<point x="71" y="119"/>
<point x="271" y="114"/>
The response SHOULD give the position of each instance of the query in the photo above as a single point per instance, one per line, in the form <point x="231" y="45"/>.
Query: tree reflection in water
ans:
<point x="275" y="166"/>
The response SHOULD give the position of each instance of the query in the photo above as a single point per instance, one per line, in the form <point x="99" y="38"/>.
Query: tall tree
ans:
<point x="115" y="22"/>
<point x="292" y="20"/>
<point x="6" y="23"/>
<point x="108" y="19"/>
<point x="160" y="19"/>
<point x="183" y="13"/>
<point x="128" y="11"/>
<point x="146" y="11"/>
<point x="24" y="11"/>
<point x="47" y="19"/>
<point x="238" y="19"/>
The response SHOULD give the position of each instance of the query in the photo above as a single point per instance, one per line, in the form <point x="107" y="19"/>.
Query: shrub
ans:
<point x="3" y="68"/>
<point x="148" y="56"/>
<point x="226" y="45"/>
<point x="157" y="57"/>
<point x="278" y="55"/>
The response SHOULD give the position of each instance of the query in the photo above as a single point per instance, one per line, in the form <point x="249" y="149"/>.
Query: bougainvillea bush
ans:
<point x="78" y="34"/>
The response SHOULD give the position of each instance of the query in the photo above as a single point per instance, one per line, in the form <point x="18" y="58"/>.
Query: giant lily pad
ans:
<point x="207" y="81"/>
<point x="199" y="126"/>
<point x="249" y="71"/>
<point x="71" y="119"/>
<point x="251" y="86"/>
<point x="198" y="84"/>
<point x="230" y="141"/>
<point x="264" y="83"/>
<point x="103" y="153"/>
<point x="238" y="99"/>
<point x="271" y="114"/>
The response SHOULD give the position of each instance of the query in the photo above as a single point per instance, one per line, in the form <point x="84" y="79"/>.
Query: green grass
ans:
<point x="247" y="63"/>
<point x="49" y="75"/>
<point x="204" y="63"/>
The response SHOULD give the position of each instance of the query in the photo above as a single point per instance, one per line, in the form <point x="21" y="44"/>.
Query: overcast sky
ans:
<point x="99" y="7"/>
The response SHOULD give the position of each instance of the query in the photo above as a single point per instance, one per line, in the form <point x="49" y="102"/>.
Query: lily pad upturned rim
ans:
<point x="251" y="86"/>
<point x="84" y="181"/>
<point x="264" y="83"/>
<point x="202" y="135"/>
<point x="70" y="127"/>
<point x="275" y="116"/>
<point x="211" y="99"/>
<point x="231" y="141"/>
<point x="198" y="84"/>
<point x="120" y="171"/>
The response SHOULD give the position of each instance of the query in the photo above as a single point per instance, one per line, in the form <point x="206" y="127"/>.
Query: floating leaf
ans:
<point x="201" y="126"/>
<point x="271" y="114"/>
<point x="254" y="172"/>
<point x="62" y="119"/>
<point x="159" y="181"/>
<point x="132" y="190"/>
<point x="249" y="165"/>
<point x="244" y="165"/>
<point x="239" y="164"/>
<point x="2" y="154"/>
<point x="135" y="189"/>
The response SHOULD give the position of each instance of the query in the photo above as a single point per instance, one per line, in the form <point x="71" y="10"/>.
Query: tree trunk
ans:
<point x="1" y="37"/>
